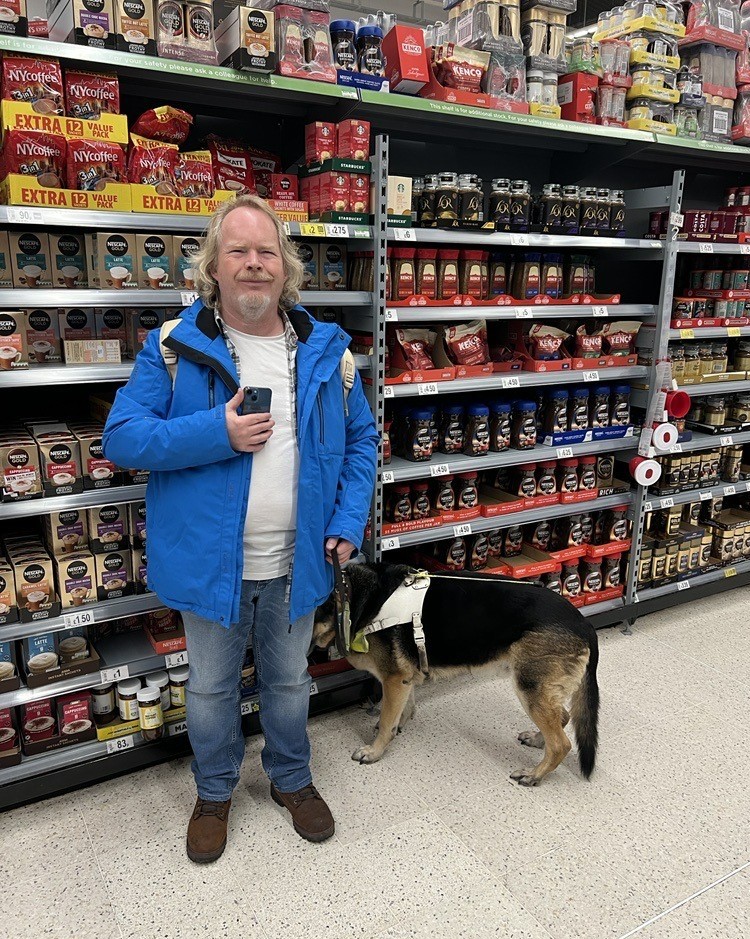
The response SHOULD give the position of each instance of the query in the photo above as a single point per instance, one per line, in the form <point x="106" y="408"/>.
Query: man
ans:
<point x="244" y="511"/>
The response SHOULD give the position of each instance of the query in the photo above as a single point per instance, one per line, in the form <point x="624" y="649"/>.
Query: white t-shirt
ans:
<point x="271" y="520"/>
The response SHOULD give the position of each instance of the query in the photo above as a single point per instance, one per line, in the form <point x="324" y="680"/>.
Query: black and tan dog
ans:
<point x="474" y="622"/>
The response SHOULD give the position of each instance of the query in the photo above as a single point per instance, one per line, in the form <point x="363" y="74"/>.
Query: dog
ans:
<point x="478" y="622"/>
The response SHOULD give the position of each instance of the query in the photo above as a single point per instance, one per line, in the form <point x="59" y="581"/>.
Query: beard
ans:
<point x="253" y="306"/>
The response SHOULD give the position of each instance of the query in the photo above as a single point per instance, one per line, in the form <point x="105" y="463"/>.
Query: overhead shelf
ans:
<point x="707" y="441"/>
<point x="656" y="501"/>
<point x="84" y="500"/>
<point x="495" y="239"/>
<point x="712" y="332"/>
<point x="38" y="375"/>
<point x="72" y="298"/>
<point x="710" y="247"/>
<point x="539" y="311"/>
<point x="723" y="573"/>
<point x="715" y="387"/>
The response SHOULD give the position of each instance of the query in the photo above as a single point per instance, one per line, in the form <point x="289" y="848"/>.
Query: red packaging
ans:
<point x="233" y="165"/>
<point x="317" y="45"/>
<point x="353" y="140"/>
<point x="467" y="343"/>
<point x="416" y="346"/>
<point x="320" y="141"/>
<point x="194" y="175"/>
<point x="289" y="29"/>
<point x="619" y="337"/>
<point x="92" y="164"/>
<point x="34" y="153"/>
<point x="359" y="192"/>
<point x="165" y="123"/>
<point x="546" y="341"/>
<point x="264" y="165"/>
<point x="88" y="95"/>
<point x="461" y="68"/>
<point x="313" y="194"/>
<point x="335" y="192"/>
<point x="588" y="346"/>
<point x="74" y="712"/>
<point x="576" y="94"/>
<point x="405" y="55"/>
<point x="284" y="187"/>
<point x="153" y="163"/>
<point x="36" y="81"/>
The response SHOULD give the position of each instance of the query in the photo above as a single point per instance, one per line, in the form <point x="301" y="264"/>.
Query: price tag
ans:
<point x="427" y="388"/>
<point x="733" y="331"/>
<point x="404" y="234"/>
<point x="442" y="469"/>
<point x="387" y="476"/>
<point x="388" y="391"/>
<point x="683" y="585"/>
<point x="179" y="727"/>
<point x="677" y="448"/>
<point x="705" y="248"/>
<point x="727" y="441"/>
<point x="24" y="216"/>
<point x="591" y="376"/>
<point x="287" y="228"/>
<point x="564" y="453"/>
<point x="313" y="688"/>
<point x="704" y="496"/>
<point x="82" y="618"/>
<point x="519" y="241"/>
<point x="676" y="219"/>
<point x="730" y="571"/>
<point x="524" y="313"/>
<point x="729" y="490"/>
<point x="391" y="316"/>
<point x="513" y="382"/>
<point x="108" y="675"/>
<point x="667" y="503"/>
<point x="744" y="249"/>
<point x="687" y="334"/>
<point x="460" y="530"/>
<point x="188" y="297"/>
<point x="119" y="744"/>
<point x="362" y="233"/>
<point x="312" y="230"/>
<point x="601" y="311"/>
<point x="390" y="544"/>
<point x="648" y="506"/>
<point x="176" y="658"/>
<point x="336" y="231"/>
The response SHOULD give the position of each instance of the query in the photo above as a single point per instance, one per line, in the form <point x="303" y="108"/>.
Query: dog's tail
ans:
<point x="584" y="712"/>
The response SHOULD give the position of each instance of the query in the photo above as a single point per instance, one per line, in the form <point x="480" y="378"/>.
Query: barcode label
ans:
<point x="109" y="675"/>
<point x="705" y="248"/>
<point x="591" y="376"/>
<point x="176" y="658"/>
<point x="390" y="544"/>
<point x="676" y="219"/>
<point x="387" y="476"/>
<point x="442" y="469"/>
<point x="729" y="490"/>
<point x="564" y="453"/>
<point x="683" y="585"/>
<point x="427" y="388"/>
<point x="514" y="382"/>
<point x="24" y="216"/>
<point x="460" y="530"/>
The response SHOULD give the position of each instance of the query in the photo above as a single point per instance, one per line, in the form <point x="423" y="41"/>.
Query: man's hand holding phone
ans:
<point x="249" y="430"/>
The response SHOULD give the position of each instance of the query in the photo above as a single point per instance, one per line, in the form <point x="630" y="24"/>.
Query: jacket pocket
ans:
<point x="321" y="418"/>
<point x="211" y="393"/>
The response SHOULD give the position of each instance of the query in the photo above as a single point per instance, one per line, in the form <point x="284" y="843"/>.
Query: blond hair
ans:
<point x="204" y="261"/>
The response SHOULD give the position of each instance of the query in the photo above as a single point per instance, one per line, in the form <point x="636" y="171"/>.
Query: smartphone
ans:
<point x="257" y="401"/>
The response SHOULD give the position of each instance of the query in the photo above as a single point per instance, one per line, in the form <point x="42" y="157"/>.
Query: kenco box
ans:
<point x="405" y="55"/>
<point x="18" y="115"/>
<point x="576" y="95"/>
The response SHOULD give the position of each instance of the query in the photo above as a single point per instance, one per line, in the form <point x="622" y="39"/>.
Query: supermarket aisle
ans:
<point x="436" y="840"/>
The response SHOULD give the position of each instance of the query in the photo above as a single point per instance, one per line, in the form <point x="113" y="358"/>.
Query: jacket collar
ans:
<point x="205" y="322"/>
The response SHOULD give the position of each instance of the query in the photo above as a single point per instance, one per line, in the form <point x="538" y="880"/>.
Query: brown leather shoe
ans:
<point x="311" y="816"/>
<point x="207" y="831"/>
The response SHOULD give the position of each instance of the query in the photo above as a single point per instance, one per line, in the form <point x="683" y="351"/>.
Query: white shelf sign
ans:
<point x="460" y="530"/>
<point x="524" y="313"/>
<point x="336" y="231"/>
<point x="730" y="571"/>
<point x="109" y="675"/>
<point x="519" y="241"/>
<point x="24" y="216"/>
<point x="179" y="727"/>
<point x="119" y="744"/>
<point x="387" y="476"/>
<point x="704" y="496"/>
<point x="249" y="706"/>
<point x="391" y="316"/>
<point x="601" y="311"/>
<point x="683" y="585"/>
<point x="705" y="248"/>
<point x="513" y="382"/>
<point x="388" y="391"/>
<point x="313" y="688"/>
<point x="81" y="618"/>
<point x="591" y="376"/>
<point x="442" y="469"/>
<point x="729" y="490"/>
<point x="390" y="544"/>
<point x="727" y="441"/>
<point x="188" y="297"/>
<point x="677" y="448"/>
<point x="648" y="506"/>
<point x="744" y="249"/>
<point x="667" y="503"/>
<point x="564" y="453"/>
<point x="427" y="388"/>
<point x="176" y="658"/>
<point x="404" y="234"/>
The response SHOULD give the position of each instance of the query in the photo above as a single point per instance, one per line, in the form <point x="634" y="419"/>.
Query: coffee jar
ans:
<point x="500" y="203"/>
<point x="178" y="678"/>
<point x="150" y="714"/>
<point x="446" y="197"/>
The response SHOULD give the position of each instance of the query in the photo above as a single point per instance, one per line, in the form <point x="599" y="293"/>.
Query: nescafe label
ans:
<point x="257" y="22"/>
<point x="117" y="245"/>
<point x="154" y="246"/>
<point x="189" y="246"/>
<point x="68" y="518"/>
<point x="113" y="319"/>
<point x="76" y="319"/>
<point x="8" y="324"/>
<point x="113" y="562"/>
<point x="134" y="9"/>
<point x="29" y="243"/>
<point x="40" y="320"/>
<point x="109" y="513"/>
<point x="148" y="319"/>
<point x="18" y="458"/>
<point x="33" y="574"/>
<point x="76" y="570"/>
<point x="95" y="449"/>
<point x="68" y="245"/>
<point x="60" y="454"/>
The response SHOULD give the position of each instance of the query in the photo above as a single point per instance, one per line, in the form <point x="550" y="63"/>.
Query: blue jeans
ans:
<point x="215" y="655"/>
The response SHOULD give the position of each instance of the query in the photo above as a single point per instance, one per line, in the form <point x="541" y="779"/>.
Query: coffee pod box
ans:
<point x="154" y="264"/>
<point x="135" y="27"/>
<point x="76" y="323"/>
<point x="140" y="575"/>
<point x="139" y="324"/>
<point x="68" y="256"/>
<point x="20" y="471"/>
<point x="14" y="352"/>
<point x="98" y="471"/>
<point x="76" y="580"/>
<point x="30" y="259"/>
<point x="110" y="324"/>
<point x="35" y="587"/>
<point x="8" y="604"/>
<point x="66" y="532"/>
<point x="116" y="259"/>
<point x="84" y="22"/>
<point x="43" y="336"/>
<point x="184" y="247"/>
<point x="332" y="266"/>
<point x="108" y="528"/>
<point x="137" y="522"/>
<point x="113" y="575"/>
<point x="6" y="270"/>
<point x="309" y="254"/>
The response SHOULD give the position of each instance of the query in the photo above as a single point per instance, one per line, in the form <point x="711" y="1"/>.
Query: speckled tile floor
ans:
<point x="436" y="840"/>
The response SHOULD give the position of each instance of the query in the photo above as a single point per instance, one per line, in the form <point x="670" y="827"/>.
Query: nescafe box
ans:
<point x="309" y="254"/>
<point x="20" y="473"/>
<point x="184" y="248"/>
<point x="60" y="464"/>
<point x="116" y="260"/>
<point x="29" y="255"/>
<point x="109" y="323"/>
<point x="353" y="140"/>
<point x="43" y="336"/>
<point x="137" y="522"/>
<point x="138" y="324"/>
<point x="76" y="578"/>
<point x="13" y="348"/>
<point x="245" y="39"/>
<point x="108" y="528"/>
<point x="135" y="28"/>
<point x="8" y="608"/>
<point x="84" y="22"/>
<point x="114" y="577"/>
<point x="68" y="256"/>
<point x="154" y="261"/>
<point x="6" y="271"/>
<point x="320" y="141"/>
<point x="35" y="588"/>
<point x="66" y="532"/>
<point x="332" y="266"/>
<point x="140" y="565"/>
<point x="284" y="187"/>
<point x="76" y="324"/>
<point x="98" y="471"/>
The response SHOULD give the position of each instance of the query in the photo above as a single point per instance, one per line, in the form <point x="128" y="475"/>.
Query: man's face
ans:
<point x="249" y="269"/>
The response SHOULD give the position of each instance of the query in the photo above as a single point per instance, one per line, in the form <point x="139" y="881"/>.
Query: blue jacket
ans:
<point x="197" y="495"/>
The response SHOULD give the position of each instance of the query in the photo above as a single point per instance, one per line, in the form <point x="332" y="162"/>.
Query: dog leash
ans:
<point x="342" y="599"/>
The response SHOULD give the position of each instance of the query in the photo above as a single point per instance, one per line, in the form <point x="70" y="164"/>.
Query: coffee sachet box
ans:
<point x="35" y="586"/>
<point x="30" y="259"/>
<point x="76" y="323"/>
<point x="43" y="336"/>
<point x="66" y="532"/>
<point x="135" y="27"/>
<point x="110" y="324"/>
<point x="68" y="256"/>
<point x="154" y="261"/>
<point x="116" y="254"/>
<point x="139" y="323"/>
<point x="60" y="464"/>
<point x="184" y="248"/>
<point x="76" y="579"/>
<point x="6" y="269"/>
<point x="114" y="577"/>
<point x="14" y="352"/>
<point x="140" y="573"/>
<point x="108" y="528"/>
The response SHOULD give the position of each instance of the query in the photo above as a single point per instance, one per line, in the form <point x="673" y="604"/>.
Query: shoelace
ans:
<point x="309" y="792"/>
<point x="211" y="808"/>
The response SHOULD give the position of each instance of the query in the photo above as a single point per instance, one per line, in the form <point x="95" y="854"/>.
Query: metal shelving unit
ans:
<point x="492" y="239"/>
<point x="38" y="375"/>
<point x="539" y="311"/>
<point x="710" y="332"/>
<point x="681" y="498"/>
<point x="84" y="500"/>
<point x="155" y="298"/>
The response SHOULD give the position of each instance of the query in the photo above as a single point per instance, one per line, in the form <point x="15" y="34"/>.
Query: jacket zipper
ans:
<point x="211" y="396"/>
<point x="322" y="419"/>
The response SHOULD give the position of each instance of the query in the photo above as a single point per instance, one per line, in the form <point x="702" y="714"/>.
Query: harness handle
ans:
<point x="342" y="598"/>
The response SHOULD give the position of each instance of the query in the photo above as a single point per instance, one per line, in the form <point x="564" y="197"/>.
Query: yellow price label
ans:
<point x="312" y="230"/>
<point x="730" y="571"/>
<point x="734" y="331"/>
<point x="687" y="334"/>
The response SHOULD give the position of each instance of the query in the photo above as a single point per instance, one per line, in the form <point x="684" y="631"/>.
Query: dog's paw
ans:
<point x="530" y="738"/>
<point x="524" y="777"/>
<point x="366" y="755"/>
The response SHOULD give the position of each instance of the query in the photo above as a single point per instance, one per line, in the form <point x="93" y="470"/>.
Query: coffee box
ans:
<point x="68" y="255"/>
<point x="8" y="606"/>
<point x="14" y="352"/>
<point x="310" y="256"/>
<point x="14" y="18"/>
<point x="139" y="324"/>
<point x="332" y="266"/>
<point x="137" y="523"/>
<point x="6" y="270"/>
<point x="43" y="336"/>
<point x="92" y="352"/>
<point x="30" y="259"/>
<point x="92" y="259"/>
<point x="109" y="323"/>
<point x="98" y="471"/>
<point x="76" y="323"/>
<point x="84" y="22"/>
<point x="116" y="258"/>
<point x="405" y="57"/>
<point x="74" y="712"/>
<point x="284" y="187"/>
<point x="184" y="248"/>
<point x="335" y="192"/>
<point x="140" y="573"/>
<point x="60" y="465"/>
<point x="398" y="196"/>
<point x="135" y="27"/>
<point x="20" y="472"/>
<point x="114" y="576"/>
<point x="246" y="39"/>
<point x="353" y="140"/>
<point x="320" y="141"/>
<point x="66" y="532"/>
<point x="108" y="528"/>
<point x="76" y="579"/>
<point x="39" y="654"/>
<point x="154" y="261"/>
<point x="35" y="586"/>
<point x="359" y="193"/>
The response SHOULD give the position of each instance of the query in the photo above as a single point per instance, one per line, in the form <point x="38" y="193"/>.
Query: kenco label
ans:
<point x="17" y="115"/>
